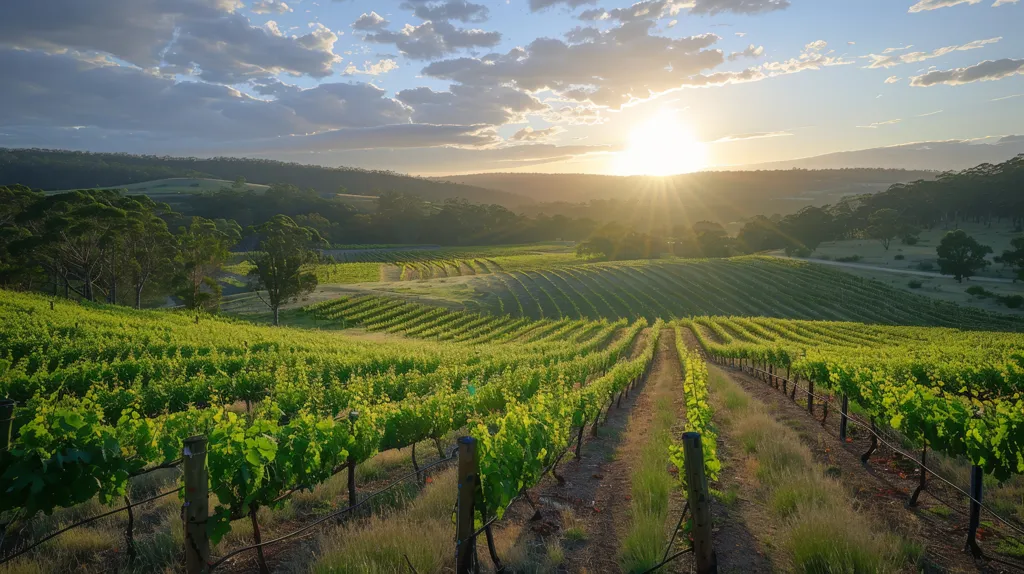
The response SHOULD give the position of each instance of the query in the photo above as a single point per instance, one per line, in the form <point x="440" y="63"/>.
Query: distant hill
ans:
<point x="59" y="170"/>
<point x="948" y="155"/>
<point x="724" y="196"/>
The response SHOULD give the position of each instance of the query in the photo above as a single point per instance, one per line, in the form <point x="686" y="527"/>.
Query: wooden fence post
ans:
<point x="197" y="543"/>
<point x="845" y="409"/>
<point x="923" y="479"/>
<point x="975" y="521"/>
<point x="6" y="422"/>
<point x="810" y="396"/>
<point x="465" y="543"/>
<point x="700" y="504"/>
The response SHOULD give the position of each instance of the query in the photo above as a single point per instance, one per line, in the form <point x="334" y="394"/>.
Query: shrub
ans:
<point x="978" y="291"/>
<point x="801" y="252"/>
<point x="849" y="259"/>
<point x="1011" y="301"/>
<point x="926" y="266"/>
<point x="914" y="284"/>
<point x="910" y="239"/>
<point x="900" y="257"/>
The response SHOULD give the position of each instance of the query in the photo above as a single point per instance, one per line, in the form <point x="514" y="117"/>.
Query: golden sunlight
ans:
<point x="662" y="145"/>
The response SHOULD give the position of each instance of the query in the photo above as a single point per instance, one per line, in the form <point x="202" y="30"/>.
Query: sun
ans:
<point x="662" y="145"/>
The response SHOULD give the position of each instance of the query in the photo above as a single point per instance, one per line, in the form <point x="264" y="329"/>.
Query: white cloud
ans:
<point x="751" y="52"/>
<point x="812" y="58"/>
<point x="371" y="21"/>
<point x="372" y="68"/>
<point x="269" y="7"/>
<point x="752" y="136"/>
<point x="469" y="104"/>
<point x="892" y="79"/>
<point x="924" y="5"/>
<point x="576" y="115"/>
<point x="877" y="124"/>
<point x="714" y="7"/>
<point x="980" y="72"/>
<point x="536" y="5"/>
<point x="887" y="60"/>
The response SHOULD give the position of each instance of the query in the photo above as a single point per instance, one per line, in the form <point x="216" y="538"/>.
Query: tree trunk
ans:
<point x="138" y="296"/>
<point x="277" y="316"/>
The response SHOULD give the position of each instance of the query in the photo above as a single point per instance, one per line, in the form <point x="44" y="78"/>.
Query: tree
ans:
<point x="202" y="249"/>
<point x="884" y="225"/>
<point x="281" y="266"/>
<point x="960" y="255"/>
<point x="149" y="248"/>
<point x="1015" y="257"/>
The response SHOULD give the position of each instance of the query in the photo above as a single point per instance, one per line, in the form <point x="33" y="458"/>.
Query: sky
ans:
<point x="438" y="87"/>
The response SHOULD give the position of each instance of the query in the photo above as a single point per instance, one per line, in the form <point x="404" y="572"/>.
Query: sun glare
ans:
<point x="662" y="145"/>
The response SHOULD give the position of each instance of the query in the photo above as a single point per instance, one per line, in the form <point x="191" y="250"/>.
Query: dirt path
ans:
<point x="589" y="515"/>
<point x="900" y="271"/>
<point x="878" y="487"/>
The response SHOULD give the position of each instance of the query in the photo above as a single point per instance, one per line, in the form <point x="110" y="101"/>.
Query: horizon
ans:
<point x="449" y="88"/>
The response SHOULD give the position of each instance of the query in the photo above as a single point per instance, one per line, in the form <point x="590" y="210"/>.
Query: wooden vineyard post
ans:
<point x="874" y="443"/>
<point x="197" y="543"/>
<point x="810" y="396"/>
<point x="845" y="409"/>
<point x="700" y="504"/>
<point x="924" y="476"/>
<point x="465" y="543"/>
<point x="6" y="422"/>
<point x="975" y="520"/>
<point x="353" y="496"/>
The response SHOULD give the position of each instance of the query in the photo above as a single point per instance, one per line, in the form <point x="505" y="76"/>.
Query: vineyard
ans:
<point x="111" y="394"/>
<point x="101" y="397"/>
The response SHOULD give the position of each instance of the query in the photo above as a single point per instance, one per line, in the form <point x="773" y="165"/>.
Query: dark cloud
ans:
<point x="469" y="104"/>
<point x="434" y="39"/>
<point x="528" y="134"/>
<point x="983" y="71"/>
<point x="204" y="37"/>
<point x="460" y="10"/>
<point x="619" y="65"/>
<point x="61" y="91"/>
<point x="229" y="50"/>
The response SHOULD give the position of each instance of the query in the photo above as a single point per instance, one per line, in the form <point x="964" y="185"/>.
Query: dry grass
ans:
<point x="820" y="531"/>
<point x="421" y="532"/>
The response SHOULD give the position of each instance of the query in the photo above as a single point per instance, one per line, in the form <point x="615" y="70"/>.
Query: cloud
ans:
<point x="981" y="72"/>
<point x="751" y="52"/>
<point x="388" y="136"/>
<point x="372" y="69"/>
<point x="892" y="79"/>
<point x="460" y="10"/>
<point x="925" y="5"/>
<point x="877" y="124"/>
<point x="929" y="114"/>
<point x="614" y="68"/>
<point x="269" y="7"/>
<point x="595" y="14"/>
<point x="1003" y="2"/>
<point x="469" y="104"/>
<point x="813" y="57"/>
<point x="1007" y="97"/>
<point x="204" y="38"/>
<point x="371" y="21"/>
<point x="528" y="134"/>
<point x="887" y="60"/>
<point x="752" y="136"/>
<point x="56" y="91"/>
<point x="714" y="7"/>
<point x="229" y="50"/>
<point x="646" y="10"/>
<point x="536" y="5"/>
<point x="432" y="40"/>
<point x="576" y="115"/>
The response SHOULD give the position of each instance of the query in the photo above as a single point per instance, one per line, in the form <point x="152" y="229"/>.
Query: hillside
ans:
<point x="722" y="196"/>
<point x="57" y="170"/>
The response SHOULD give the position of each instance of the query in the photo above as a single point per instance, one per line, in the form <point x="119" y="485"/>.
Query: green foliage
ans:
<point x="961" y="256"/>
<point x="914" y="284"/>
<point x="281" y="266"/>
<point x="202" y="249"/>
<point x="884" y="225"/>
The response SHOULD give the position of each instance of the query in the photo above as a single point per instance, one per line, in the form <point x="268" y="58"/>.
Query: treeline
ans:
<point x="984" y="194"/>
<point x="105" y="246"/>
<point x="60" y="169"/>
